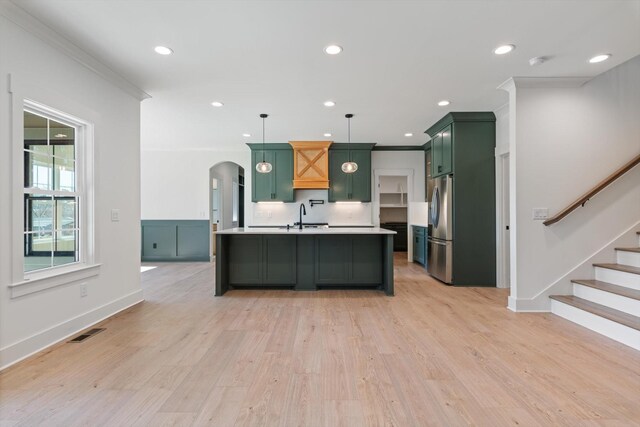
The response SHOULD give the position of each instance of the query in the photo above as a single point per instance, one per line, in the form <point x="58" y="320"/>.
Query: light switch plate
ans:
<point x="540" y="214"/>
<point x="115" y="215"/>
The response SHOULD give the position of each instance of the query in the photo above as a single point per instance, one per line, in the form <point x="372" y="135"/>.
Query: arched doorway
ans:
<point x="226" y="198"/>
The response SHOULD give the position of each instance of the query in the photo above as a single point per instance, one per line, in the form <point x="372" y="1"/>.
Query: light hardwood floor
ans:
<point x="431" y="355"/>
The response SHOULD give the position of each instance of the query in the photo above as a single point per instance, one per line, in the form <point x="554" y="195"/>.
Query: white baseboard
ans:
<point x="606" y="327"/>
<point x="16" y="352"/>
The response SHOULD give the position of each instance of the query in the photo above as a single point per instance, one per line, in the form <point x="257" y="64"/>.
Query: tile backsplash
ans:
<point x="332" y="213"/>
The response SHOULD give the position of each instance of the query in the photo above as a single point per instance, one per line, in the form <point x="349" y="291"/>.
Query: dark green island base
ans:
<point x="304" y="260"/>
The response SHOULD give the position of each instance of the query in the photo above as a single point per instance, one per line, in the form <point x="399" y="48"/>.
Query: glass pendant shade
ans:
<point x="264" y="167"/>
<point x="349" y="167"/>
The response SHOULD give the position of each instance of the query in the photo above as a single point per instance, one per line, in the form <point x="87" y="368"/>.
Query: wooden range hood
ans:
<point x="310" y="164"/>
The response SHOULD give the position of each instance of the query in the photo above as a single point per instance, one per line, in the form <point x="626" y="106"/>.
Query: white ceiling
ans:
<point x="400" y="58"/>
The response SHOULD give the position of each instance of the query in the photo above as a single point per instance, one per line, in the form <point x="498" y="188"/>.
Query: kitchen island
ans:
<point x="304" y="260"/>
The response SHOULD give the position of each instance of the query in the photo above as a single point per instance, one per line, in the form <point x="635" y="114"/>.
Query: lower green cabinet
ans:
<point x="262" y="260"/>
<point x="279" y="260"/>
<point x="348" y="260"/>
<point x="245" y="260"/>
<point x="419" y="244"/>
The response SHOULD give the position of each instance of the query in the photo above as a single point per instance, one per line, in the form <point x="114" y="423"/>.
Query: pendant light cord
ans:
<point x="349" y="134"/>
<point x="263" y="140"/>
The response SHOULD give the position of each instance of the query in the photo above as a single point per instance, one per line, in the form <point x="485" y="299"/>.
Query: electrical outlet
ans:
<point x="83" y="290"/>
<point x="540" y="214"/>
<point x="115" y="215"/>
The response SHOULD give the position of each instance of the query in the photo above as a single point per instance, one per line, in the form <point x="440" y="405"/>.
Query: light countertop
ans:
<point x="340" y="230"/>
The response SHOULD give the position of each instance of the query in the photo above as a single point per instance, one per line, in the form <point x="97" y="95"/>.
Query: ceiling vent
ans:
<point x="310" y="164"/>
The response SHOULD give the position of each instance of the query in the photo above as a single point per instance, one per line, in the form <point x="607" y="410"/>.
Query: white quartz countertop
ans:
<point x="339" y="230"/>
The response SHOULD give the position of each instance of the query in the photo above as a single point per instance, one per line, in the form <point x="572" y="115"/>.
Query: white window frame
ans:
<point x="25" y="283"/>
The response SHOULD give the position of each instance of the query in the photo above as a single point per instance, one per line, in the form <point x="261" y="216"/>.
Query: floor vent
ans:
<point x="88" y="334"/>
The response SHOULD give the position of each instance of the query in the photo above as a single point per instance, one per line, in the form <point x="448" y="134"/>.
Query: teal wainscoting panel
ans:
<point x="175" y="240"/>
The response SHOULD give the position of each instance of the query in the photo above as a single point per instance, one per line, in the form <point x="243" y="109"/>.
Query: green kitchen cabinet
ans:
<point x="277" y="185"/>
<point x="278" y="259"/>
<point x="463" y="146"/>
<point x="419" y="244"/>
<point x="332" y="253"/>
<point x="268" y="259"/>
<point x="245" y="253"/>
<point x="346" y="187"/>
<point x="348" y="260"/>
<point x="441" y="152"/>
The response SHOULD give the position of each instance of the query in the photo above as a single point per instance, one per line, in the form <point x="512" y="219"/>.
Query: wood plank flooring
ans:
<point x="430" y="356"/>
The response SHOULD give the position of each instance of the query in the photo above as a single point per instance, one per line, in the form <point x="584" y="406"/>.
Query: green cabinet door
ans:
<point x="366" y="260"/>
<point x="279" y="260"/>
<point x="447" y="148"/>
<point x="338" y="180"/>
<point x="332" y="260"/>
<point x="349" y="186"/>
<point x="245" y="260"/>
<point x="361" y="179"/>
<point x="283" y="175"/>
<point x="262" y="185"/>
<point x="441" y="152"/>
<point x="419" y="244"/>
<point x="276" y="185"/>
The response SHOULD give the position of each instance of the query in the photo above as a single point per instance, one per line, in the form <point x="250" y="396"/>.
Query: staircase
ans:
<point x="610" y="304"/>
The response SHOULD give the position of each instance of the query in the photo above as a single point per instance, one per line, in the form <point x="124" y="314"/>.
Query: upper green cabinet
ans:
<point x="441" y="152"/>
<point x="355" y="186"/>
<point x="277" y="185"/>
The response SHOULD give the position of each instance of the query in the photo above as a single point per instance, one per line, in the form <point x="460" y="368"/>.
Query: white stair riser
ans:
<point x="617" y="302"/>
<point x="628" y="258"/>
<point x="606" y="327"/>
<point x="621" y="278"/>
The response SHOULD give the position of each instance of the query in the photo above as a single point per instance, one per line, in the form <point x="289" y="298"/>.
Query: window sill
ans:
<point x="53" y="279"/>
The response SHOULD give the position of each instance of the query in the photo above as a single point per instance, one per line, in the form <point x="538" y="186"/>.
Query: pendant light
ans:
<point x="263" y="166"/>
<point x="349" y="167"/>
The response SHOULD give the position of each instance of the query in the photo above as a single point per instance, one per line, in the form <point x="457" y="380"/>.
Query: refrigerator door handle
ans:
<point x="435" y="242"/>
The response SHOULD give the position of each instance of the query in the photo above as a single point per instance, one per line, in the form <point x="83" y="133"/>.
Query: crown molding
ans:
<point x="24" y="20"/>
<point x="543" y="82"/>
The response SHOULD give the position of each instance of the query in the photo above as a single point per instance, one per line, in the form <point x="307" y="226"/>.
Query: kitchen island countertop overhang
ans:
<point x="307" y="259"/>
<point x="317" y="230"/>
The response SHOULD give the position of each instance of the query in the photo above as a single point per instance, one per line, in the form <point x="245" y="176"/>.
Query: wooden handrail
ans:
<point x="595" y="190"/>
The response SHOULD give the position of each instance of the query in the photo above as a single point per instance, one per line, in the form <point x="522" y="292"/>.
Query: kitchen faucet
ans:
<point x="303" y="211"/>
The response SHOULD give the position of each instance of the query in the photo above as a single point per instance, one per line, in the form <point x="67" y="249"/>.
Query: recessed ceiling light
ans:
<point x="506" y="48"/>
<point x="162" y="50"/>
<point x="60" y="135"/>
<point x="217" y="104"/>
<point x="408" y="134"/>
<point x="327" y="134"/>
<point x="444" y="103"/>
<point x="329" y="104"/>
<point x="600" y="58"/>
<point x="333" y="49"/>
<point x="246" y="135"/>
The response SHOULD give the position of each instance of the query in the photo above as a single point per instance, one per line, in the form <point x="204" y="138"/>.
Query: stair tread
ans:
<point x="610" y="287"/>
<point x="620" y="267"/>
<point x="600" y="310"/>
<point x="629" y="249"/>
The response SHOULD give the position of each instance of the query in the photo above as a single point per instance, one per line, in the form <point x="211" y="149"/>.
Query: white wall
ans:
<point x="564" y="140"/>
<point x="175" y="185"/>
<point x="29" y="323"/>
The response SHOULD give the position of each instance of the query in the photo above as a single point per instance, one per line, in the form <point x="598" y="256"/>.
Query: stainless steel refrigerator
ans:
<point x="440" y="241"/>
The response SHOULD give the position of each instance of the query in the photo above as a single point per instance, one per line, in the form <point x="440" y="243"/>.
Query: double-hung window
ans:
<point x="53" y="192"/>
